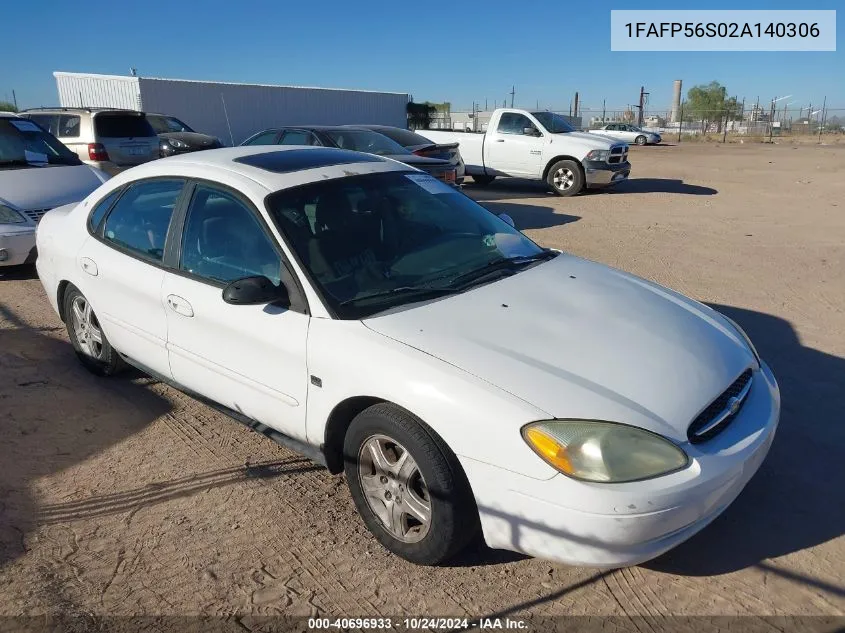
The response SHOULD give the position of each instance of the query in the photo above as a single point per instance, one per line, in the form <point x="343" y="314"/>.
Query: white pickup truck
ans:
<point x="539" y="146"/>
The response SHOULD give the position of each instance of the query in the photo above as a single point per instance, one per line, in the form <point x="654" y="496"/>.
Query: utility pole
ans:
<point x="643" y="95"/>
<point x="15" y="100"/>
<point x="603" y="111"/>
<point x="824" y="118"/>
<point x="485" y="105"/>
<point x="772" y="120"/>
<point x="513" y="94"/>
<point x="577" y="103"/>
<point x="681" y="121"/>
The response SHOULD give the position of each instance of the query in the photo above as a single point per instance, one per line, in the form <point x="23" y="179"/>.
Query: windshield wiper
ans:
<point x="402" y="291"/>
<point x="497" y="265"/>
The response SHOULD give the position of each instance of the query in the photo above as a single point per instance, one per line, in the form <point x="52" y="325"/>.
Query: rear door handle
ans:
<point x="89" y="266"/>
<point x="180" y="305"/>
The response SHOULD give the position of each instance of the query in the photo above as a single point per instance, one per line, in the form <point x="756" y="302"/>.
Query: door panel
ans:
<point x="513" y="152"/>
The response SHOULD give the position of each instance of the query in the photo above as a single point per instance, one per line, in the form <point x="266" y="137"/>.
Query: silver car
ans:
<point x="106" y="138"/>
<point x="628" y="133"/>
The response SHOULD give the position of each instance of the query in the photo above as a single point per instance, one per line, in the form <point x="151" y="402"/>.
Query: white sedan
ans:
<point x="37" y="173"/>
<point x="629" y="134"/>
<point x="465" y="379"/>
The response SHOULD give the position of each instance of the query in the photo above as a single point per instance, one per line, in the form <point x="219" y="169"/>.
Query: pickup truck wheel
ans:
<point x="483" y="180"/>
<point x="87" y="337"/>
<point x="408" y="486"/>
<point x="566" y="178"/>
<point x="640" y="140"/>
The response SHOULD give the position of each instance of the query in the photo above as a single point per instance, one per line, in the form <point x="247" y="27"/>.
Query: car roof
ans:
<point x="273" y="167"/>
<point x="78" y="109"/>
<point x="8" y="114"/>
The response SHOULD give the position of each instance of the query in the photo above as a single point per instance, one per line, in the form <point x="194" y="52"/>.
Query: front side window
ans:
<point x="513" y="123"/>
<point x="224" y="241"/>
<point x="265" y="138"/>
<point x="139" y="221"/>
<point x="372" y="241"/>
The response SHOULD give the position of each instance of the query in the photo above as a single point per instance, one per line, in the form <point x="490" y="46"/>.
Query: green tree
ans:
<point x="5" y="106"/>
<point x="420" y="115"/>
<point x="709" y="103"/>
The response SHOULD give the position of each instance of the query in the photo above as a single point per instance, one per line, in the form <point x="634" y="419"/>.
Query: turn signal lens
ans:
<point x="548" y="449"/>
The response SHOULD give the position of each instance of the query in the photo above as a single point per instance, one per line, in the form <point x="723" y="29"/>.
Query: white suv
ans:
<point x="108" y="139"/>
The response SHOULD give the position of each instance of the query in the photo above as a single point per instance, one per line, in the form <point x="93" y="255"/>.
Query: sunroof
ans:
<point x="285" y="161"/>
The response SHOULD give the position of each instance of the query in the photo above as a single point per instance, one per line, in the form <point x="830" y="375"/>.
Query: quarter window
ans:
<point x="224" y="241"/>
<point x="139" y="221"/>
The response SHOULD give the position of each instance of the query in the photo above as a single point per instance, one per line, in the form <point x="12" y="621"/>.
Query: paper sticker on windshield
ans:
<point x="25" y="126"/>
<point x="35" y="157"/>
<point x="429" y="183"/>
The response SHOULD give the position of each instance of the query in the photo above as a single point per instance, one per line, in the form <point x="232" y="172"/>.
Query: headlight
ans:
<point x="9" y="216"/>
<point x="603" y="452"/>
<point x="175" y="142"/>
<point x="745" y="337"/>
<point x="599" y="154"/>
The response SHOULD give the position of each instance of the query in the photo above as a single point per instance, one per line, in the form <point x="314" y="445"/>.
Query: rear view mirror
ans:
<point x="255" y="291"/>
<point x="508" y="219"/>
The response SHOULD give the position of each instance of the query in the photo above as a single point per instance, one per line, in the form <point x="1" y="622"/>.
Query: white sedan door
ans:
<point x="121" y="268"/>
<point x="249" y="358"/>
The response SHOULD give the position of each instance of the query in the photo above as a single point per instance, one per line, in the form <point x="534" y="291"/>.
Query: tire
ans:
<point x="392" y="491"/>
<point x="83" y="328"/>
<point x="641" y="140"/>
<point x="483" y="180"/>
<point x="566" y="178"/>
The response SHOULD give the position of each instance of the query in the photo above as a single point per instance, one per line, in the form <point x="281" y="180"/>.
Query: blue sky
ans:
<point x="437" y="50"/>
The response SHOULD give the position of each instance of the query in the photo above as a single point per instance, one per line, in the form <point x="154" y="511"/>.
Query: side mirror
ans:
<point x="254" y="291"/>
<point x="530" y="131"/>
<point x="508" y="219"/>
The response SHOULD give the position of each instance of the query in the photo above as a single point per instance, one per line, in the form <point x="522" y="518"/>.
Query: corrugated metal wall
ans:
<point x="252" y="108"/>
<point x="97" y="91"/>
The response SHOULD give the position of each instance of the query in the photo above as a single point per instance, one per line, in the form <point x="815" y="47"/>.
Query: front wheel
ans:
<point x="87" y="337"/>
<point x="640" y="140"/>
<point x="408" y="486"/>
<point x="566" y="178"/>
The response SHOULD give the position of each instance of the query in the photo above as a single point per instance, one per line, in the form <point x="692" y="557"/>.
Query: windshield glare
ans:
<point x="554" y="123"/>
<point x="365" y="235"/>
<point x="23" y="142"/>
<point x="365" y="141"/>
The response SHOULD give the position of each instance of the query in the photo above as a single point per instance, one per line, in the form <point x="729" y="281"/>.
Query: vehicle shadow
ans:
<point x="529" y="216"/>
<point x="796" y="500"/>
<point x="54" y="415"/>
<point x="24" y="272"/>
<point x="660" y="185"/>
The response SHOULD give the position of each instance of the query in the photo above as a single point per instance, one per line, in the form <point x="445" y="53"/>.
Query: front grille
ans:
<point x="721" y="412"/>
<point x="36" y="214"/>
<point x="618" y="154"/>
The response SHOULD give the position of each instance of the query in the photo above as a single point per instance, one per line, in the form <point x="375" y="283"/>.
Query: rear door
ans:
<point x="128" y="137"/>
<point x="511" y="151"/>
<point x="250" y="358"/>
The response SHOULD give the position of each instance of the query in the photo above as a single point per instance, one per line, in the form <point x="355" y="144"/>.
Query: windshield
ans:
<point x="365" y="141"/>
<point x="23" y="143"/>
<point x="380" y="240"/>
<point x="554" y="123"/>
<point x="164" y="124"/>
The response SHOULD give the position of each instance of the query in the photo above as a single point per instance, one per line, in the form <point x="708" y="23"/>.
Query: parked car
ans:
<point x="36" y="173"/>
<point x="629" y="133"/>
<point x="106" y="138"/>
<point x="464" y="378"/>
<point x="176" y="137"/>
<point x="357" y="139"/>
<point x="539" y="146"/>
<point x="421" y="146"/>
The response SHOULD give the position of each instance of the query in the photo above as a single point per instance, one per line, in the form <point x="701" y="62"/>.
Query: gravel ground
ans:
<point x="126" y="497"/>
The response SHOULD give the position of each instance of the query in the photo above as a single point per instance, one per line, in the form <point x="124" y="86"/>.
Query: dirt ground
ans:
<point x="123" y="496"/>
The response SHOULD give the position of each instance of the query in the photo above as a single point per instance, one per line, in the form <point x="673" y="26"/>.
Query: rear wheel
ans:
<point x="566" y="178"/>
<point x="408" y="486"/>
<point x="87" y="337"/>
<point x="640" y="140"/>
<point x="483" y="180"/>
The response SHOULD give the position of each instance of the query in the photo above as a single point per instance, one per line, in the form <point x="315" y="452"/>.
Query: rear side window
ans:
<point x="68" y="126"/>
<point x="299" y="137"/>
<point x="405" y="138"/>
<point x="140" y="219"/>
<point x="100" y="211"/>
<point x="265" y="138"/>
<point x="122" y="126"/>
<point x="49" y="122"/>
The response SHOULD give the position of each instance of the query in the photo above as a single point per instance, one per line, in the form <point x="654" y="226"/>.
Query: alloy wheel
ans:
<point x="563" y="178"/>
<point x="86" y="327"/>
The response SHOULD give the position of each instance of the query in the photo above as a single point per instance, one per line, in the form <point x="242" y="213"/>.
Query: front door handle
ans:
<point x="89" y="266"/>
<point x="180" y="305"/>
<point x="500" y="140"/>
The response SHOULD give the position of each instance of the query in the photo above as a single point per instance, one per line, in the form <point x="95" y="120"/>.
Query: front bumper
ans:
<point x="616" y="525"/>
<point x="602" y="174"/>
<point x="17" y="247"/>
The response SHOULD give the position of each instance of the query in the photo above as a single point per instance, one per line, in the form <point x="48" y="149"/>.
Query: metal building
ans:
<point x="232" y="111"/>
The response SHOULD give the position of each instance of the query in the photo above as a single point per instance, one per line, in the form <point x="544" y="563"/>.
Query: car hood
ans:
<point x="194" y="139"/>
<point x="38" y="188"/>
<point x="588" y="140"/>
<point x="581" y="340"/>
